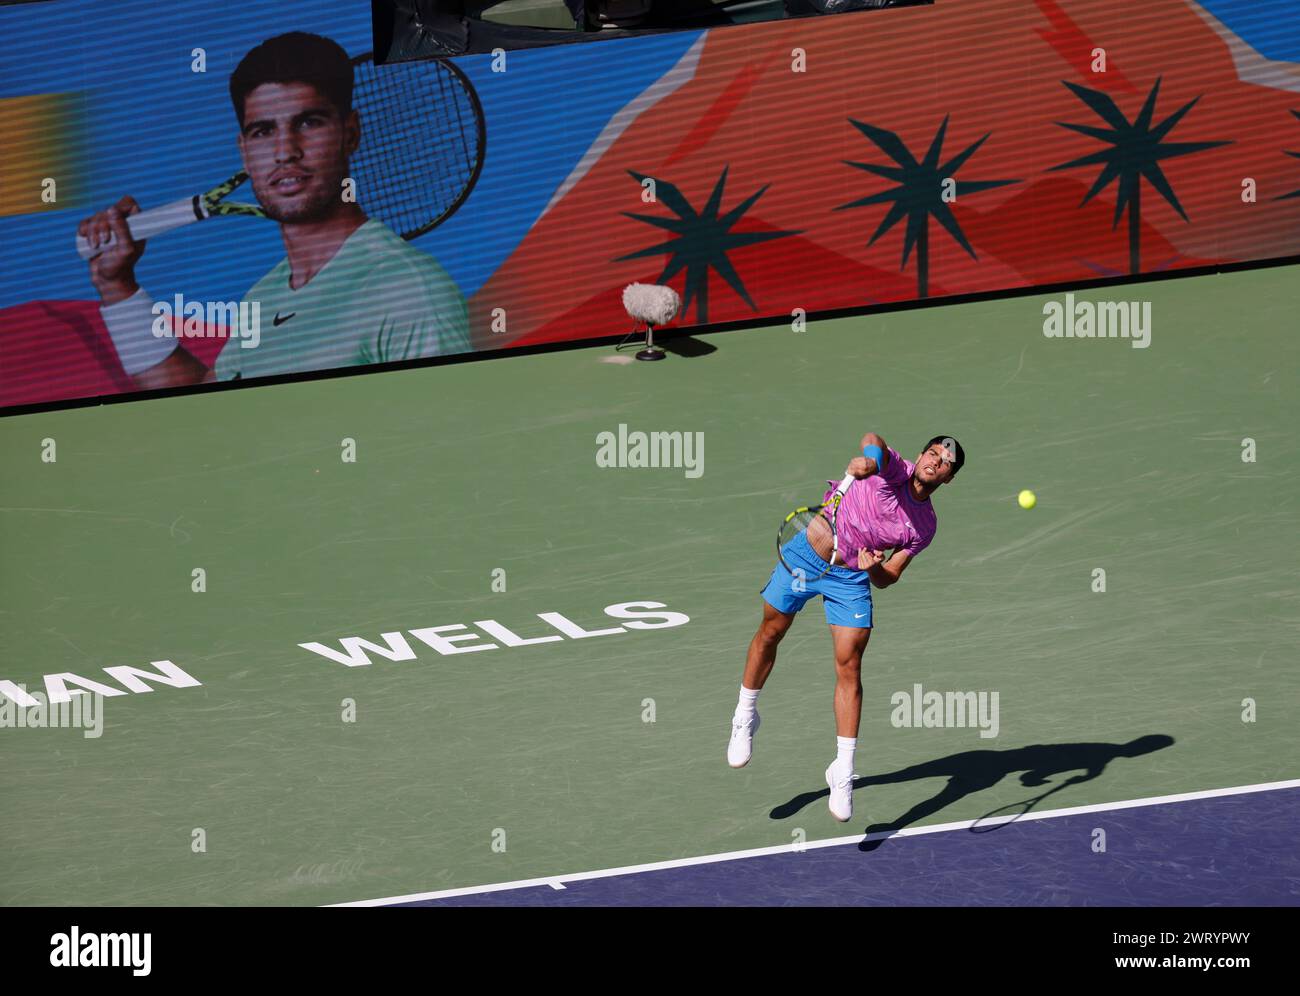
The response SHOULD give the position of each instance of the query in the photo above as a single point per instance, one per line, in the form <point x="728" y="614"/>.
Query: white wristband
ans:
<point x="130" y="325"/>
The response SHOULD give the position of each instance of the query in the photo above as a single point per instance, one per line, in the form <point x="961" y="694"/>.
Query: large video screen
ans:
<point x="205" y="191"/>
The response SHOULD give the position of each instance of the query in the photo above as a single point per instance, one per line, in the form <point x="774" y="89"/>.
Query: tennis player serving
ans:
<point x="350" y="290"/>
<point x="839" y="552"/>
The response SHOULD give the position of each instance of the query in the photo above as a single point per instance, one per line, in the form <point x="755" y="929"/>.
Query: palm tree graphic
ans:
<point x="1136" y="150"/>
<point x="919" y="194"/>
<point x="703" y="241"/>
<point x="1294" y="155"/>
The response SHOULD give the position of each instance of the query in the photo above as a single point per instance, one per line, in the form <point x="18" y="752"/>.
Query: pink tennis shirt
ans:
<point x="879" y="513"/>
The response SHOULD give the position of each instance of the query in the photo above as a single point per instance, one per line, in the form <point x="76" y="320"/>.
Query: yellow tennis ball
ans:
<point x="1027" y="499"/>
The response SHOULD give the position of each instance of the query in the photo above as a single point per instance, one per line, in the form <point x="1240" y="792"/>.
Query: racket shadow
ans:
<point x="974" y="771"/>
<point x="1005" y="815"/>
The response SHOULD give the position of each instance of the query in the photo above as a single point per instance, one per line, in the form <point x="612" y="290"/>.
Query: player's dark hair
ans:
<point x="296" y="57"/>
<point x="958" y="454"/>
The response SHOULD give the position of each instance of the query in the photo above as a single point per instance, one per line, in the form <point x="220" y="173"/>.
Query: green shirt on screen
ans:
<point x="378" y="300"/>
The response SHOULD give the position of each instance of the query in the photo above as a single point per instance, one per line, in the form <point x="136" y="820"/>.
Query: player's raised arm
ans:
<point x="126" y="308"/>
<point x="874" y="459"/>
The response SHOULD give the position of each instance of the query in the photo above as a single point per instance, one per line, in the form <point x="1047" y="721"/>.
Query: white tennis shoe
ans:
<point x="841" y="786"/>
<point x="741" y="746"/>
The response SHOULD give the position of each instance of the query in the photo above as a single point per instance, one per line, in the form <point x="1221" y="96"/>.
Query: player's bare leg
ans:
<point x="849" y="643"/>
<point x="762" y="648"/>
<point x="758" y="665"/>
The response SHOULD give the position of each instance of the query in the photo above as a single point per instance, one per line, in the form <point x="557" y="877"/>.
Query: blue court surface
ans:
<point x="1232" y="847"/>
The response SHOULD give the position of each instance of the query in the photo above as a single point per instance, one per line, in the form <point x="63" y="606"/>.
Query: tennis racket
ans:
<point x="818" y="523"/>
<point x="422" y="145"/>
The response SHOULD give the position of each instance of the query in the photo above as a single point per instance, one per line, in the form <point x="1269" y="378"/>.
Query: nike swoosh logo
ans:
<point x="277" y="320"/>
<point x="859" y="615"/>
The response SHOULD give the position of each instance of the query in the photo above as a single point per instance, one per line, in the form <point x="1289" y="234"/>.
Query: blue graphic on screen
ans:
<point x="152" y="128"/>
<point x="1270" y="27"/>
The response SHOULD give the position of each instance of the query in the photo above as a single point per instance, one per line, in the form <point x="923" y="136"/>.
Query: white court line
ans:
<point x="557" y="881"/>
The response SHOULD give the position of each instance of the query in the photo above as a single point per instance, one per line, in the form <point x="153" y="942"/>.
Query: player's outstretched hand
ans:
<point x="113" y="270"/>
<point x="868" y="559"/>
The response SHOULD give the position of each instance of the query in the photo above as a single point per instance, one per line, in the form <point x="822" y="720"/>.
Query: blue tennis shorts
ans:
<point x="846" y="594"/>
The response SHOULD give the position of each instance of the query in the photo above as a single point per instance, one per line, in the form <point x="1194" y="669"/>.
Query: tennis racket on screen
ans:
<point x="422" y="145"/>
<point x="817" y="522"/>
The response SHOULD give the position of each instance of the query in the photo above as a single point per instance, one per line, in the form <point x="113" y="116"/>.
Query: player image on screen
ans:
<point x="882" y="504"/>
<point x="349" y="291"/>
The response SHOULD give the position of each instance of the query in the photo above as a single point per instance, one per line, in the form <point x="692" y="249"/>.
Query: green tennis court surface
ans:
<point x="465" y="471"/>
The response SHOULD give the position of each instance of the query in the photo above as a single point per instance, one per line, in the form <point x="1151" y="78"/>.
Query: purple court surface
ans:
<point x="1233" y="850"/>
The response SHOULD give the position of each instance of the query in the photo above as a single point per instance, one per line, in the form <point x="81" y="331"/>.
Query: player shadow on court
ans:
<point x="975" y="770"/>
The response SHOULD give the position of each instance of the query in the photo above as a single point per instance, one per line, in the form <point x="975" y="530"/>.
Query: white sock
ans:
<point x="748" y="699"/>
<point x="844" y="748"/>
